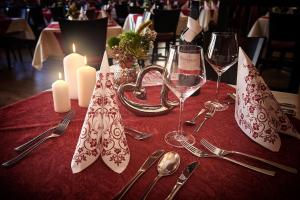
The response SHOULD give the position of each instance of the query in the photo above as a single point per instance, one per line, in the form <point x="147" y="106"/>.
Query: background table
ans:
<point x="48" y="44"/>
<point x="46" y="173"/>
<point x="19" y="27"/>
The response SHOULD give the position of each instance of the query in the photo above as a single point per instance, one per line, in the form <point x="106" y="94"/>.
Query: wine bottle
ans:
<point x="193" y="34"/>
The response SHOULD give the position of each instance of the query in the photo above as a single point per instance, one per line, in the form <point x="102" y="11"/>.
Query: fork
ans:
<point x="66" y="119"/>
<point x="222" y="152"/>
<point x="209" y="114"/>
<point x="201" y="154"/>
<point x="138" y="135"/>
<point x="60" y="130"/>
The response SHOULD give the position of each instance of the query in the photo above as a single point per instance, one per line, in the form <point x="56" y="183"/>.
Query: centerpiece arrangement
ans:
<point x="128" y="48"/>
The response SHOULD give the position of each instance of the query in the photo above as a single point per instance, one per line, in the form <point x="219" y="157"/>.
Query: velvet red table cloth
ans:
<point x="46" y="172"/>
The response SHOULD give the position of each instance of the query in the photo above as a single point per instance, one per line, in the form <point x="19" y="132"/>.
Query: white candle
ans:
<point x="86" y="80"/>
<point x="71" y="63"/>
<point x="60" y="93"/>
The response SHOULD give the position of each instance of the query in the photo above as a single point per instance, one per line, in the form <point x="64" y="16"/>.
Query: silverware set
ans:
<point x="32" y="144"/>
<point x="222" y="154"/>
<point x="209" y="113"/>
<point x="168" y="163"/>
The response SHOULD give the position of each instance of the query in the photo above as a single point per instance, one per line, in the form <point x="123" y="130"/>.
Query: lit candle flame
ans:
<point x="59" y="75"/>
<point x="74" y="48"/>
<point x="85" y="62"/>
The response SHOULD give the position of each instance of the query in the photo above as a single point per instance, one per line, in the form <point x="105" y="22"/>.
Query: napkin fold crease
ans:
<point x="102" y="132"/>
<point x="257" y="112"/>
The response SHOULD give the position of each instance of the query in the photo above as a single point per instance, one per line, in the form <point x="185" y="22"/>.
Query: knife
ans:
<point x="145" y="166"/>
<point x="185" y="175"/>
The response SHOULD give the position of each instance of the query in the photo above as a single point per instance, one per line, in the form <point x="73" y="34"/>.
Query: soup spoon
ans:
<point x="167" y="165"/>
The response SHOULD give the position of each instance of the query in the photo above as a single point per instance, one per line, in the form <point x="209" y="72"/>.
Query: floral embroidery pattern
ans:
<point x="102" y="132"/>
<point x="256" y="111"/>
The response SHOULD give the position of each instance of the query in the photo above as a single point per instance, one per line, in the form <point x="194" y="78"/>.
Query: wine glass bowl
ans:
<point x="221" y="54"/>
<point x="184" y="74"/>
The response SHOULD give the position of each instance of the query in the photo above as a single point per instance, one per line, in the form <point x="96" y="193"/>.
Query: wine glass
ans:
<point x="184" y="74"/>
<point x="221" y="54"/>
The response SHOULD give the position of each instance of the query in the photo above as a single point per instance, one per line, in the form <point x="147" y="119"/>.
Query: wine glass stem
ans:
<point x="218" y="86"/>
<point x="180" y="131"/>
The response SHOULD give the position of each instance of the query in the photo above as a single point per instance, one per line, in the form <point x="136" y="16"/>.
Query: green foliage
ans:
<point x="113" y="41"/>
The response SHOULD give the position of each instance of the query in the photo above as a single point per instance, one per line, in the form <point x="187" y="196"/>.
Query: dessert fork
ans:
<point x="209" y="114"/>
<point x="201" y="154"/>
<point x="138" y="135"/>
<point x="60" y="130"/>
<point x="222" y="152"/>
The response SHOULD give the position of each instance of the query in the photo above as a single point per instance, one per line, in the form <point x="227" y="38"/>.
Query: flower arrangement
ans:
<point x="130" y="46"/>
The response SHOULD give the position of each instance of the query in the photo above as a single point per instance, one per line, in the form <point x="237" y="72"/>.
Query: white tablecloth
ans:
<point x="260" y="28"/>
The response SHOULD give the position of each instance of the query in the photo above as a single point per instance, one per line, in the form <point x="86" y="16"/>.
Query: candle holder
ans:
<point x="139" y="92"/>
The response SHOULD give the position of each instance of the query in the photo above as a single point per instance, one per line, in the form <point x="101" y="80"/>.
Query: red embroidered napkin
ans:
<point x="256" y="110"/>
<point x="102" y="132"/>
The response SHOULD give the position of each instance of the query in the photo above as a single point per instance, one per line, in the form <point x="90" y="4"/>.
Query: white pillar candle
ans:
<point x="71" y="63"/>
<point x="86" y="80"/>
<point x="60" y="93"/>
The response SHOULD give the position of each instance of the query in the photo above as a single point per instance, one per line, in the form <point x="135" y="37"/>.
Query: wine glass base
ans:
<point x="217" y="105"/>
<point x="173" y="139"/>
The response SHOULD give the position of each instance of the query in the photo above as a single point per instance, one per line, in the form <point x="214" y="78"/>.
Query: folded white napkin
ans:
<point x="102" y="132"/>
<point x="257" y="112"/>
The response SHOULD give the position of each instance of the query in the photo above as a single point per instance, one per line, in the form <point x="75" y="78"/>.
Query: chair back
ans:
<point x="165" y="21"/>
<point x="89" y="36"/>
<point x="136" y="10"/>
<point x="282" y="26"/>
<point x="36" y="20"/>
<point x="121" y="12"/>
<point x="253" y="47"/>
<point x="58" y="13"/>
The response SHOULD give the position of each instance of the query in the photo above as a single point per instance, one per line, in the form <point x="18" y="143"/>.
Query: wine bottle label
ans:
<point x="189" y="63"/>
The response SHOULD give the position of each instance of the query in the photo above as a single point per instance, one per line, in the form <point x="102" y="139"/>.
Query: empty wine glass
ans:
<point x="221" y="54"/>
<point x="184" y="74"/>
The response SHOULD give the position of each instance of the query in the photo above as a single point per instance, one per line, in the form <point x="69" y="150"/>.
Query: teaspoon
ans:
<point x="167" y="165"/>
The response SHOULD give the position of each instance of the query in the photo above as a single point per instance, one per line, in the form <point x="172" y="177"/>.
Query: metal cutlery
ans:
<point x="193" y="121"/>
<point x="185" y="175"/>
<point x="60" y="130"/>
<point x="209" y="114"/>
<point x="201" y="154"/>
<point x="145" y="166"/>
<point x="222" y="152"/>
<point x="138" y="135"/>
<point x="64" y="121"/>
<point x="166" y="166"/>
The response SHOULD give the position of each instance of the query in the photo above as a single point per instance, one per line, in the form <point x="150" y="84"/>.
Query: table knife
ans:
<point x="145" y="166"/>
<point x="185" y="175"/>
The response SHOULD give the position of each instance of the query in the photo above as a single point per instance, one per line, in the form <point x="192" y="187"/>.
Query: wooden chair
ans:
<point x="283" y="48"/>
<point x="89" y="37"/>
<point x="165" y="24"/>
<point x="121" y="12"/>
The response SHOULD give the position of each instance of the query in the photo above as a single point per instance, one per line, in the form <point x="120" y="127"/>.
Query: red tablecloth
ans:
<point x="46" y="173"/>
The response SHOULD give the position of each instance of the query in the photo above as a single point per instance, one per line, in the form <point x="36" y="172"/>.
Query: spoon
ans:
<point x="167" y="165"/>
<point x="193" y="121"/>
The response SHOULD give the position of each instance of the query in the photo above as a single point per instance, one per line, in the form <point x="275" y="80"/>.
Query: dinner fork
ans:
<point x="138" y="135"/>
<point x="201" y="154"/>
<point x="209" y="114"/>
<point x="222" y="152"/>
<point x="65" y="120"/>
<point x="60" y="130"/>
